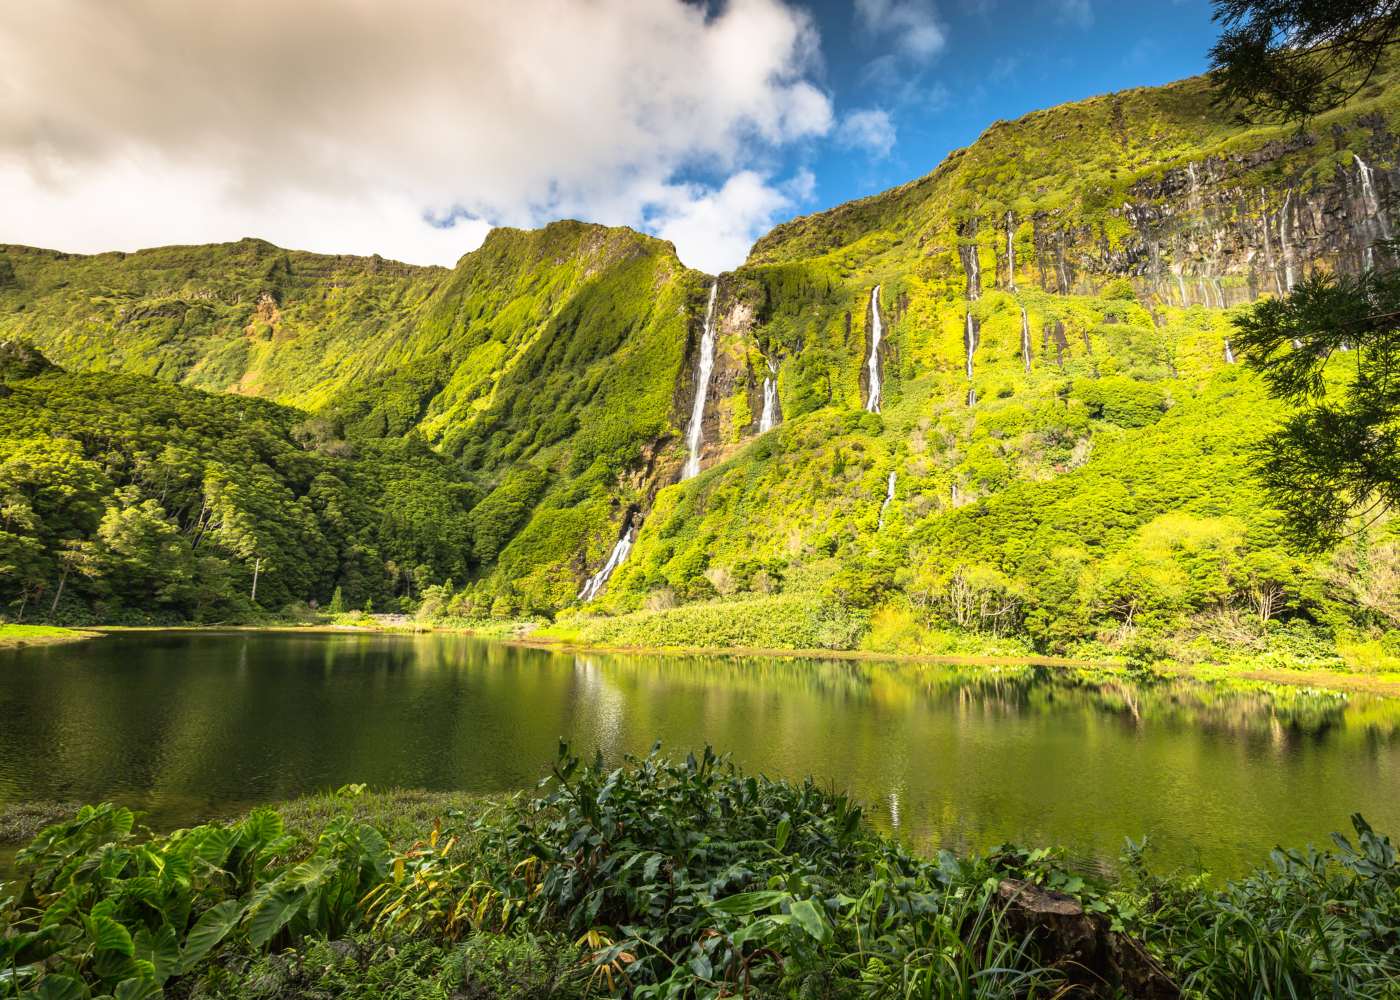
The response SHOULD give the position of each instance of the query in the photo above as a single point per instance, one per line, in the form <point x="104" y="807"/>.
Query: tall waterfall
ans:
<point x="1025" y="339"/>
<point x="696" y="435"/>
<point x="1181" y="290"/>
<point x="770" y="399"/>
<point x="889" y="495"/>
<point x="1229" y="353"/>
<point x="969" y="342"/>
<point x="873" y="403"/>
<point x="1284" y="250"/>
<point x="974" y="274"/>
<point x="1010" y="251"/>
<point x="1376" y="222"/>
<point x="595" y="583"/>
<point x="1268" y="250"/>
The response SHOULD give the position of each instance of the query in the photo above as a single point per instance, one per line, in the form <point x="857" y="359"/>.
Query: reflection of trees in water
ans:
<point x="1272" y="713"/>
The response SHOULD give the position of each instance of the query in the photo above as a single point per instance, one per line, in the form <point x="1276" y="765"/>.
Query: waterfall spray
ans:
<point x="696" y="435"/>
<point x="1284" y="250"/>
<point x="889" y="495"/>
<point x="873" y="403"/>
<point x="770" y="399"/>
<point x="969" y="342"/>
<point x="595" y="583"/>
<point x="1376" y="222"/>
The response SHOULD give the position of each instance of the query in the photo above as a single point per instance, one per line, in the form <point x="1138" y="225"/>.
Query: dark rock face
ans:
<point x="1209" y="233"/>
<point x="734" y="374"/>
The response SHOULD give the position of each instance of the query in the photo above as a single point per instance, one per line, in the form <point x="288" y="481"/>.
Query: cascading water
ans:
<point x="595" y="583"/>
<point x="971" y="397"/>
<point x="872" y="404"/>
<point x="770" y="399"/>
<point x="889" y="495"/>
<point x="1284" y="250"/>
<point x="1268" y="249"/>
<point x="1376" y="222"/>
<point x="1025" y="339"/>
<point x="1181" y="289"/>
<point x="1010" y="252"/>
<point x="1229" y="354"/>
<point x="696" y="435"/>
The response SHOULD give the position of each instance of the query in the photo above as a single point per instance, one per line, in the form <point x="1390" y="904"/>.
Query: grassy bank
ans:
<point x="14" y="636"/>
<point x="663" y="879"/>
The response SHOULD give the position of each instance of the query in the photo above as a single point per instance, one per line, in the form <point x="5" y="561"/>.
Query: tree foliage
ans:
<point x="1332" y="348"/>
<point x="1290" y="60"/>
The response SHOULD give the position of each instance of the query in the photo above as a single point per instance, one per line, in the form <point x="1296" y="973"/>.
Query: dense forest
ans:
<point x="128" y="499"/>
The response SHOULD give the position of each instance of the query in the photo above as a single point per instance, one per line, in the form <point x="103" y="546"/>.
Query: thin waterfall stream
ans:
<point x="889" y="495"/>
<point x="594" y="585"/>
<point x="872" y="404"/>
<point x="706" y="367"/>
<point x="767" y="418"/>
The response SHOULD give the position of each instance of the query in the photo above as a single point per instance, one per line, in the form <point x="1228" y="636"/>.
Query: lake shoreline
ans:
<point x="21" y="636"/>
<point x="1346" y="682"/>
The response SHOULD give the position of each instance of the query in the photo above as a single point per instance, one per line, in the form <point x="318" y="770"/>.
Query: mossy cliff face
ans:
<point x="1059" y="407"/>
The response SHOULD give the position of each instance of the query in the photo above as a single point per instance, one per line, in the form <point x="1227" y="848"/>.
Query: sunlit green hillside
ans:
<point x="1060" y="457"/>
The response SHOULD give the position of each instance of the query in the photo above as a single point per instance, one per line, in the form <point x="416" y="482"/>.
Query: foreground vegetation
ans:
<point x="662" y="879"/>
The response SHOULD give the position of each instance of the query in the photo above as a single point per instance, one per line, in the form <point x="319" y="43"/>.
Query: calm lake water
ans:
<point x="191" y="726"/>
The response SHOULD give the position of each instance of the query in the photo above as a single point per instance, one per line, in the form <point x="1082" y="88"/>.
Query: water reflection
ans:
<point x="187" y="726"/>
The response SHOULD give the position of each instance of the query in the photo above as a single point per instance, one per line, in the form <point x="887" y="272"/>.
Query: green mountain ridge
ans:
<point x="1078" y="477"/>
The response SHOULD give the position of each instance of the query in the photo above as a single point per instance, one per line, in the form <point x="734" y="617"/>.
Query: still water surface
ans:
<point x="191" y="726"/>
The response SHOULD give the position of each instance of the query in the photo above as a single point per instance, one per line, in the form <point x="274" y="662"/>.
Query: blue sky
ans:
<point x="412" y="128"/>
<point x="997" y="59"/>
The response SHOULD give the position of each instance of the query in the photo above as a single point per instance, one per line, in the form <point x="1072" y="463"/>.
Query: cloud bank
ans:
<point x="355" y="125"/>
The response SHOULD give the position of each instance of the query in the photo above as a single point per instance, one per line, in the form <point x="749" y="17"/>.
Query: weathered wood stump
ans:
<point x="1095" y="958"/>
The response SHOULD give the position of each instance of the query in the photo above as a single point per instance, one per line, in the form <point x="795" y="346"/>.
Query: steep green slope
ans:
<point x="1083" y="476"/>
<point x="547" y="362"/>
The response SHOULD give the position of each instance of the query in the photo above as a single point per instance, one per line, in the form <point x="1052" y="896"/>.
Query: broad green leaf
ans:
<point x="161" y="949"/>
<point x="136" y="988"/>
<point x="59" y="988"/>
<point x="748" y="902"/>
<point x="108" y="935"/>
<point x="260" y="828"/>
<point x="270" y="917"/>
<point x="784" y="831"/>
<point x="212" y="927"/>
<point x="810" y="919"/>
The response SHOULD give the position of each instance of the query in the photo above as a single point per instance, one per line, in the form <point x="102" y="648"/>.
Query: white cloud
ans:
<point x="341" y="125"/>
<point x="913" y="26"/>
<point x="717" y="227"/>
<point x="870" y="129"/>
<point x="1077" y="12"/>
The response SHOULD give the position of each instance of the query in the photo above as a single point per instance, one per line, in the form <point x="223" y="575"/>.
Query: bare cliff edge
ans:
<point x="877" y="348"/>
